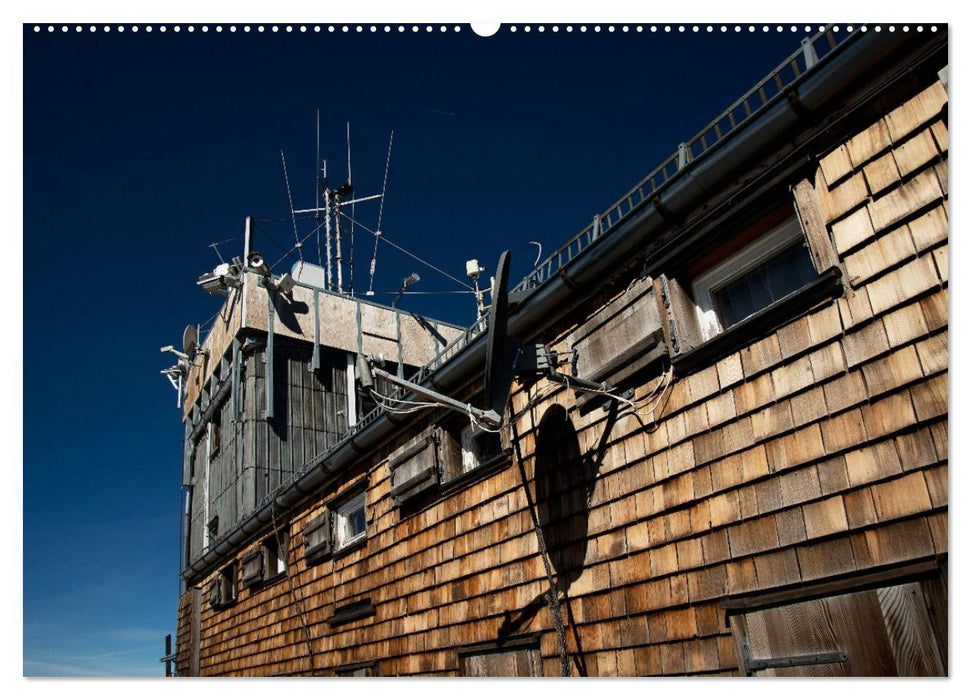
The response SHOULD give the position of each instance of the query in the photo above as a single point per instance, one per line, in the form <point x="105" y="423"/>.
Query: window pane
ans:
<point x="775" y="278"/>
<point x="478" y="446"/>
<point x="351" y="520"/>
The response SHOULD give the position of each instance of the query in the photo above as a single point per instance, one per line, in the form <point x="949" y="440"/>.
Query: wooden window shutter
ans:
<point x="679" y="316"/>
<point x="619" y="339"/>
<point x="416" y="471"/>
<point x="809" y="211"/>
<point x="317" y="537"/>
<point x="215" y="592"/>
<point x="253" y="567"/>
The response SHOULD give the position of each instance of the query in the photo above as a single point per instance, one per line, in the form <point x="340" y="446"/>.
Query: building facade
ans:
<point x="760" y="489"/>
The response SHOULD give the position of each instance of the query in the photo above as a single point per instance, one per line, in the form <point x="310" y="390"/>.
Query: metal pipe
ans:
<point x="693" y="185"/>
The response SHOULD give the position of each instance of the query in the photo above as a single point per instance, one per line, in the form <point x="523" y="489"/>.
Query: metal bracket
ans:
<point x="809" y="53"/>
<point x="753" y="665"/>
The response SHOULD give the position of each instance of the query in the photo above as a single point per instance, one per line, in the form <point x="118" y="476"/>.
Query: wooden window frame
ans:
<point x="226" y="585"/>
<point x="350" y="670"/>
<point x="340" y="515"/>
<point x="454" y="475"/>
<point x="689" y="346"/>
<point x="765" y="248"/>
<point x="275" y="546"/>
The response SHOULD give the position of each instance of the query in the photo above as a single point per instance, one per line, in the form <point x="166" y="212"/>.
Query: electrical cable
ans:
<point x="316" y="230"/>
<point x="293" y="594"/>
<point x="552" y="597"/>
<point x="377" y="236"/>
<point x="293" y="216"/>
<point x="407" y="252"/>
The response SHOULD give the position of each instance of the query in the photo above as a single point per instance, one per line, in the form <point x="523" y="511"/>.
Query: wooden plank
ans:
<point x="916" y="112"/>
<point x="916" y="152"/>
<point x="835" y="165"/>
<point x="868" y="143"/>
<point x="846" y="196"/>
<point x="900" y="203"/>
<point x="882" y="173"/>
<point x="810" y="212"/>
<point x="843" y="585"/>
<point x="912" y="639"/>
<point x="887" y="252"/>
<point x="864" y="344"/>
<point x="852" y="231"/>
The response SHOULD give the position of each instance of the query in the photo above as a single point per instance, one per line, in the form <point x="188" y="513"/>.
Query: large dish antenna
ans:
<point x="500" y="348"/>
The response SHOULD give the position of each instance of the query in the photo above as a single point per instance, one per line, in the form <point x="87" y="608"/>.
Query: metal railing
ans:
<point x="751" y="105"/>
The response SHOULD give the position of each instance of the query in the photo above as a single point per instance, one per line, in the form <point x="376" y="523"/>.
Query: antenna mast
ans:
<point x="337" y="241"/>
<point x="327" y="225"/>
<point x="353" y="206"/>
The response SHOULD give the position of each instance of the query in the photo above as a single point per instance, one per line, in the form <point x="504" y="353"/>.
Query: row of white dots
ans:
<point x="512" y="28"/>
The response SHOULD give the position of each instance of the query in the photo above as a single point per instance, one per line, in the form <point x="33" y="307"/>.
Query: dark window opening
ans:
<point x="769" y="281"/>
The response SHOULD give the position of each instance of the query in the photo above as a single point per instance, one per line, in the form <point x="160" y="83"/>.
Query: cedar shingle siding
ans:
<point x="812" y="452"/>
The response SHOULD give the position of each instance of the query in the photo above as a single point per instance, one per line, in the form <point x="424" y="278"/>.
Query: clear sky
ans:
<point x="140" y="149"/>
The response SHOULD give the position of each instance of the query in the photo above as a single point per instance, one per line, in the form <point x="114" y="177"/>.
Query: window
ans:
<point x="274" y="553"/>
<point x="761" y="273"/>
<point x="267" y="561"/>
<point x="478" y="447"/>
<point x="467" y="449"/>
<point x="215" y="433"/>
<point x="223" y="591"/>
<point x="212" y="529"/>
<point x="350" y="522"/>
<point x="356" y="671"/>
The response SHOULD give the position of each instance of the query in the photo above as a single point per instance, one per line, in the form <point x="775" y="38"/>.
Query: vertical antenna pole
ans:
<point x="337" y="242"/>
<point x="317" y="170"/>
<point x="327" y="224"/>
<point x="349" y="182"/>
<point x="247" y="234"/>
<point x="348" y="153"/>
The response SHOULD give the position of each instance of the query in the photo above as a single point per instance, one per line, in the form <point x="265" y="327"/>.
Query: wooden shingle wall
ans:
<point x="815" y="451"/>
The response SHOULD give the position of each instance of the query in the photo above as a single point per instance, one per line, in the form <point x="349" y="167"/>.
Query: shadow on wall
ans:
<point x="565" y="479"/>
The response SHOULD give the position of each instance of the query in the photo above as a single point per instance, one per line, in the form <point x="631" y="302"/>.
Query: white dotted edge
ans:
<point x="512" y="28"/>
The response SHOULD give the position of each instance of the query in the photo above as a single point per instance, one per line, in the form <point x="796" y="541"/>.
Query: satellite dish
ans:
<point x="500" y="349"/>
<point x="190" y="341"/>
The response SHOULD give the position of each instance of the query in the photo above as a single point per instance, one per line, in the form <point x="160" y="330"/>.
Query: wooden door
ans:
<point x="503" y="663"/>
<point x="882" y="632"/>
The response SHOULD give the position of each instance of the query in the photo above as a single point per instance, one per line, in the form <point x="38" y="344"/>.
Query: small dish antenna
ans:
<point x="190" y="341"/>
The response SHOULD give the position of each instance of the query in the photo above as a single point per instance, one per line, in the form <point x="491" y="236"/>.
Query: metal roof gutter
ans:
<point x="784" y="119"/>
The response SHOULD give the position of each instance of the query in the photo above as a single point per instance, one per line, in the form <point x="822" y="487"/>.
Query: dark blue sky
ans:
<point x="140" y="149"/>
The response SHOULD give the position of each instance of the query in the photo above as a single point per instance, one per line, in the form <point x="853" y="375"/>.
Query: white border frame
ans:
<point x="341" y="513"/>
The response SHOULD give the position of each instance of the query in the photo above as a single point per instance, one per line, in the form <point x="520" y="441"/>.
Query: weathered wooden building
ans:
<point x="762" y="488"/>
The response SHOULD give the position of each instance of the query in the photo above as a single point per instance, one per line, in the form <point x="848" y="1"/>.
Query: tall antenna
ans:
<point x="327" y="224"/>
<point x="348" y="153"/>
<point x="320" y="263"/>
<point x="337" y="239"/>
<point x="349" y="182"/>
